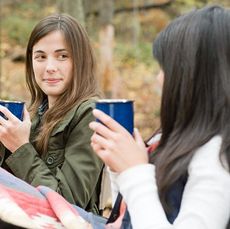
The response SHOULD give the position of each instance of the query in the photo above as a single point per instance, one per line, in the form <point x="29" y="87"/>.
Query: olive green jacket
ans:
<point x="70" y="166"/>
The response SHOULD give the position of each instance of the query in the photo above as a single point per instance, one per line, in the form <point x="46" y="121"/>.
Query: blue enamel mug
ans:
<point x="120" y="110"/>
<point x="15" y="107"/>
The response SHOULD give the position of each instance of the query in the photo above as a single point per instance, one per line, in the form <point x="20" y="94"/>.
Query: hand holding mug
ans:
<point x="115" y="145"/>
<point x="14" y="132"/>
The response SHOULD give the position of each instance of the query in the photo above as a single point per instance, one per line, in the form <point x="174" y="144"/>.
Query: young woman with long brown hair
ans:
<point x="55" y="150"/>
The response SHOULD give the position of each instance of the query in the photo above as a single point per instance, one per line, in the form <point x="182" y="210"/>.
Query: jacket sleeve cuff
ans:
<point x="24" y="153"/>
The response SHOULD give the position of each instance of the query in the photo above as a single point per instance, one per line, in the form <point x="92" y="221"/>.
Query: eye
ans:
<point x="39" y="57"/>
<point x="63" y="56"/>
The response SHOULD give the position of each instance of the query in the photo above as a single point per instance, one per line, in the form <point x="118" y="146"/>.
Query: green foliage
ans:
<point x="18" y="29"/>
<point x="18" y="25"/>
<point x="146" y="53"/>
<point x="188" y="4"/>
<point x="157" y="113"/>
<point x="129" y="54"/>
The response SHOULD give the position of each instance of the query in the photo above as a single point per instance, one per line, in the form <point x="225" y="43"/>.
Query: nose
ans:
<point x="51" y="66"/>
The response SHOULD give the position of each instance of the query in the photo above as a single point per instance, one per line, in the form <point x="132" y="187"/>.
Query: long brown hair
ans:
<point x="84" y="83"/>
<point x="194" y="53"/>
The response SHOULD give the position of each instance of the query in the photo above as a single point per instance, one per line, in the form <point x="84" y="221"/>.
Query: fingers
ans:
<point x="3" y="121"/>
<point x="107" y="120"/>
<point x="102" y="142"/>
<point x="7" y="114"/>
<point x="96" y="147"/>
<point x="26" y="115"/>
<point x="105" y="156"/>
<point x="138" y="138"/>
<point x="101" y="129"/>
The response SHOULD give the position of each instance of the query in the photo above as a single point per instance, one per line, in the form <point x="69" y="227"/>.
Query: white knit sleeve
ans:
<point x="138" y="188"/>
<point x="206" y="198"/>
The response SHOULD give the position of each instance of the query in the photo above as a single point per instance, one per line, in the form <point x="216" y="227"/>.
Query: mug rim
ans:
<point x="11" y="101"/>
<point x="114" y="100"/>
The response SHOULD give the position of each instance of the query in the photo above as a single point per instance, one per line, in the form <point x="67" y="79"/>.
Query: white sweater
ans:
<point x="206" y="198"/>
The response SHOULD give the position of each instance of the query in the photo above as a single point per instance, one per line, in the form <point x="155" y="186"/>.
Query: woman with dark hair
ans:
<point x="55" y="150"/>
<point x="185" y="182"/>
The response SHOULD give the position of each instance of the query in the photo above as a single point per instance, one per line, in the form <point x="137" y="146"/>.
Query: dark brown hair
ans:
<point x="194" y="53"/>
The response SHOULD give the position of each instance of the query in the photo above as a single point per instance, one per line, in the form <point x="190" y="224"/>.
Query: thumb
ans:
<point x="26" y="115"/>
<point x="138" y="138"/>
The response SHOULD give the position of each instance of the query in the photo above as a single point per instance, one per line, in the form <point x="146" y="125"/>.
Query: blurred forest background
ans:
<point x="121" y="31"/>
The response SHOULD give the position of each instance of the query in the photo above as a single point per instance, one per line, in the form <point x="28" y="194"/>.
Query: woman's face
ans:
<point x="160" y="78"/>
<point x="52" y="65"/>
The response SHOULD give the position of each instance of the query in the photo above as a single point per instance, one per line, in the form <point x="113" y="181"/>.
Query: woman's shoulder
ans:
<point x="84" y="106"/>
<point x="209" y="151"/>
<point x="82" y="110"/>
<point x="214" y="144"/>
<point x="208" y="157"/>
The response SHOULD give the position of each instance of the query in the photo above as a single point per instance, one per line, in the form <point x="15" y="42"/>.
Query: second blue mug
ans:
<point x="119" y="109"/>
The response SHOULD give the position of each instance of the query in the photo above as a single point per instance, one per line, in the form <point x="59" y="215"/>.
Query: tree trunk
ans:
<point x="136" y="24"/>
<point x="74" y="8"/>
<point x="106" y="39"/>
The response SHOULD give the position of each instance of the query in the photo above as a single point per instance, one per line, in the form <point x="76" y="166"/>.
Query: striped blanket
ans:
<point x="42" y="208"/>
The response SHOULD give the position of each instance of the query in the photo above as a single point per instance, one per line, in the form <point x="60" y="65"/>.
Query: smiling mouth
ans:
<point x="52" y="80"/>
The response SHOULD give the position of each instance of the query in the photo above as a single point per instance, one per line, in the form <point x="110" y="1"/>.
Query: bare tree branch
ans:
<point x="130" y="9"/>
<point x="145" y="7"/>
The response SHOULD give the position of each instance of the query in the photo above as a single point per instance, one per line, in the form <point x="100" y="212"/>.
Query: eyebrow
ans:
<point x="56" y="51"/>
